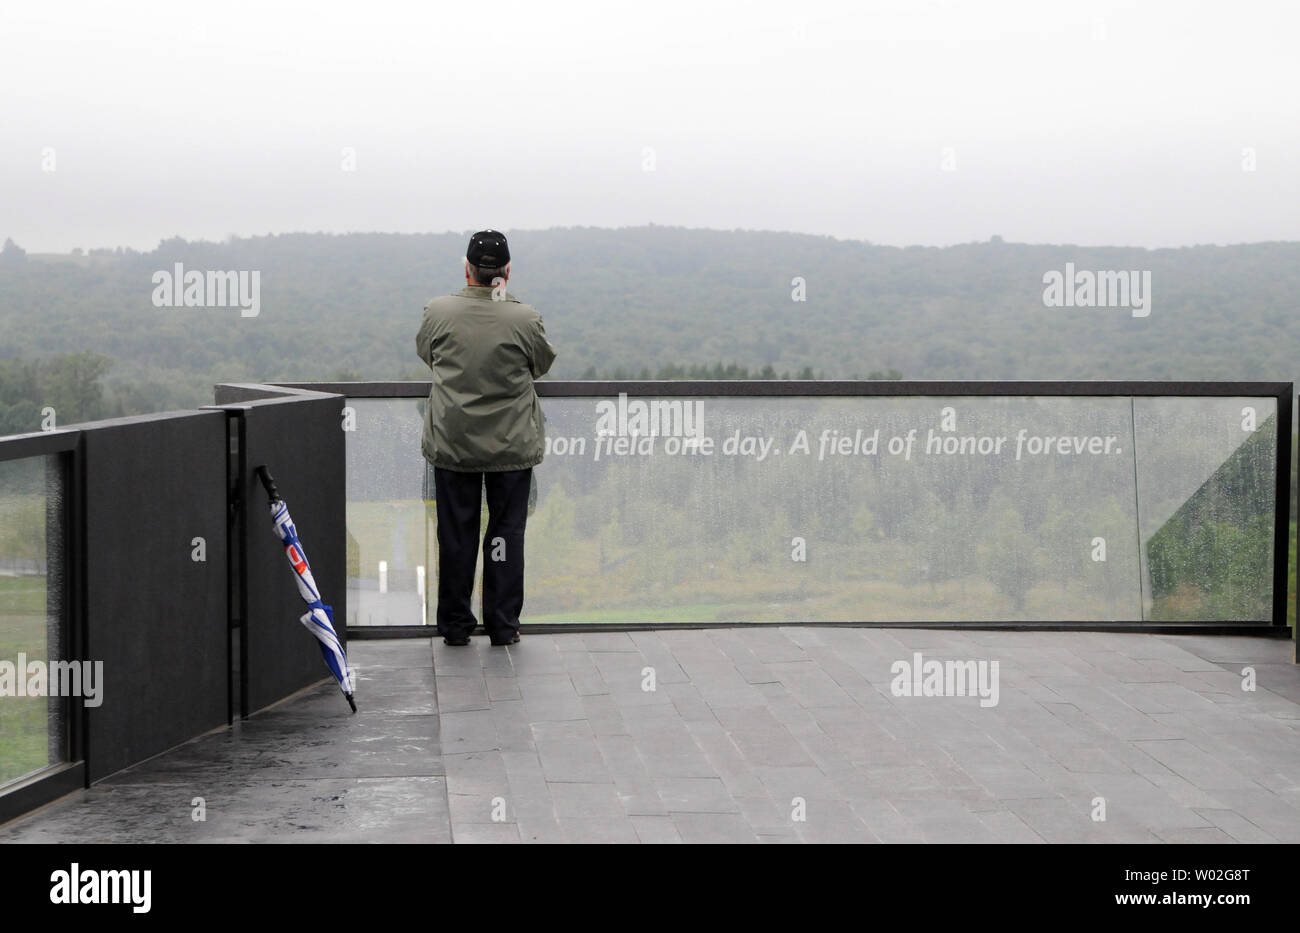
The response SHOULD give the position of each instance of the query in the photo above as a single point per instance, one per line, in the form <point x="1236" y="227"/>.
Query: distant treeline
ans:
<point x="39" y="394"/>
<point x="719" y="370"/>
<point x="69" y="387"/>
<point x="662" y="301"/>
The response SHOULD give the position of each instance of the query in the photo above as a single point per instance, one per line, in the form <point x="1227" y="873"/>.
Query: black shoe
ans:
<point x="512" y="639"/>
<point x="459" y="641"/>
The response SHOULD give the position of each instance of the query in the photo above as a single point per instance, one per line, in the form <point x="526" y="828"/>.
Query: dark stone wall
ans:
<point x="154" y="616"/>
<point x="300" y="440"/>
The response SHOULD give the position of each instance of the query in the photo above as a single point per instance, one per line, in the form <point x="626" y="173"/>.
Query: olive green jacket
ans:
<point x="483" y="413"/>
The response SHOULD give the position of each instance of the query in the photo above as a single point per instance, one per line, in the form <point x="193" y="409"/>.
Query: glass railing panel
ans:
<point x="851" y="509"/>
<point x="390" y="541"/>
<point x="803" y="512"/>
<point x="33" y="571"/>
<point x="1207" y="491"/>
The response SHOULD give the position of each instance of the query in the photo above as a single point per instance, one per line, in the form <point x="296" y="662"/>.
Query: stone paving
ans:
<point x="759" y="734"/>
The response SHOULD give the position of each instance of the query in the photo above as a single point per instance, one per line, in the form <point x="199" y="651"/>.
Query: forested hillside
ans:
<point x="653" y="301"/>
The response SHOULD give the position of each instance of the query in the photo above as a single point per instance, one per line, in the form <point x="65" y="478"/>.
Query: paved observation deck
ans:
<point x="747" y="729"/>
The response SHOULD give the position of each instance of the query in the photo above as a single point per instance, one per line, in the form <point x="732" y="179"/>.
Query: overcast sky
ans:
<point x="899" y="122"/>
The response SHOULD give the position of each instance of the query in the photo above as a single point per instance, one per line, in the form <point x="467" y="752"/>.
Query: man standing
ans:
<point x="482" y="428"/>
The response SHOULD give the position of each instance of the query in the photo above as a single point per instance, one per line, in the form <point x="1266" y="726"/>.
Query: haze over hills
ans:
<point x="632" y="301"/>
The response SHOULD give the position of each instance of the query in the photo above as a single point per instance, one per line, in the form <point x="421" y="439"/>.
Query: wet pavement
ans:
<point x="759" y="734"/>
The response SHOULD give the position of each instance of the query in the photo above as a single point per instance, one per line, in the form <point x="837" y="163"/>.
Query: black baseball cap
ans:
<point x="488" y="250"/>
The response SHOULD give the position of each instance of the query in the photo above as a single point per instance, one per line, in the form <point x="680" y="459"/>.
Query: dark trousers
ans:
<point x="459" y="496"/>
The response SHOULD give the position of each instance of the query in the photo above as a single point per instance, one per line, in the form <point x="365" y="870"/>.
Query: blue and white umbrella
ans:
<point x="319" y="618"/>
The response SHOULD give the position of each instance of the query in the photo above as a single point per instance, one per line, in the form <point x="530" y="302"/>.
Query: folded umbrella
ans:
<point x="319" y="618"/>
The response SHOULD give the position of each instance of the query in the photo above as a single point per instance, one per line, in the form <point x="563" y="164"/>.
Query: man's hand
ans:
<point x="540" y="352"/>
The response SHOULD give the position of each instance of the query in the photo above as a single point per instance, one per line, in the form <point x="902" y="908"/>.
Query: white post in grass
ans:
<point x="383" y="576"/>
<point x="419" y="589"/>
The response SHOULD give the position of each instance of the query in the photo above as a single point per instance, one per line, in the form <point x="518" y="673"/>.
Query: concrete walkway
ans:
<point x="758" y="734"/>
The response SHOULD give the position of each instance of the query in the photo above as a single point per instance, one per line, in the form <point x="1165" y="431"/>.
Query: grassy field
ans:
<point x="381" y="530"/>
<point x="597" y="579"/>
<point x="23" y="720"/>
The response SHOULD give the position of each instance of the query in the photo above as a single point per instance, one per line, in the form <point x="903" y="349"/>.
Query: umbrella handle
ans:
<point x="268" y="483"/>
